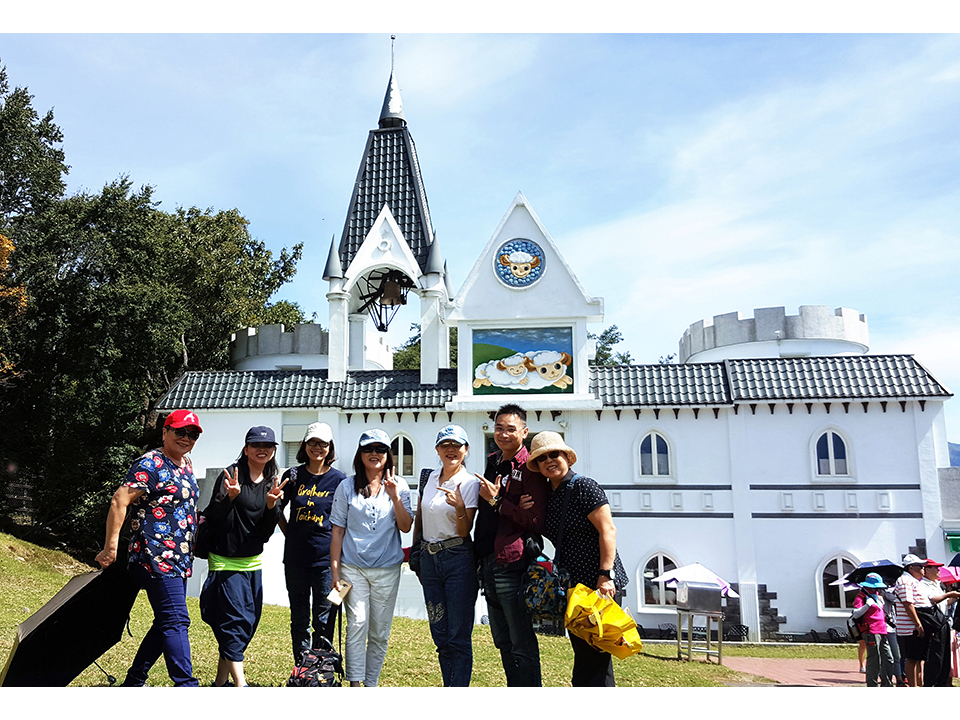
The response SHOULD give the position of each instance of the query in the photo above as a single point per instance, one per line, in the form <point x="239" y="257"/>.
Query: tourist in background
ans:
<point x="869" y="609"/>
<point x="447" y="568"/>
<point x="936" y="667"/>
<point x="306" y="526"/>
<point x="370" y="510"/>
<point x="243" y="516"/>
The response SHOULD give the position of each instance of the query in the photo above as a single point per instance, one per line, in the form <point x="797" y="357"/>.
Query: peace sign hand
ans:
<point x="488" y="490"/>
<point x="232" y="484"/>
<point x="390" y="484"/>
<point x="275" y="493"/>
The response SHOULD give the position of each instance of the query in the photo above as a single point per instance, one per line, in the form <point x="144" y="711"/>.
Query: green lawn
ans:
<point x="29" y="576"/>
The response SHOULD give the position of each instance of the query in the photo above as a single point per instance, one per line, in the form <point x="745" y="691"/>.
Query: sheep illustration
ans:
<point x="520" y="263"/>
<point x="508" y="372"/>
<point x="548" y="367"/>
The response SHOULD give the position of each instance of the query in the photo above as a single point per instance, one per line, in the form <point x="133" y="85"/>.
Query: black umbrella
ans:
<point x="887" y="569"/>
<point x="956" y="560"/>
<point x="68" y="634"/>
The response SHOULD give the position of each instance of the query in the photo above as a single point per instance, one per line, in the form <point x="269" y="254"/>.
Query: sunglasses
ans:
<point x="553" y="455"/>
<point x="375" y="449"/>
<point x="262" y="446"/>
<point x="450" y="444"/>
<point x="317" y="444"/>
<point x="191" y="433"/>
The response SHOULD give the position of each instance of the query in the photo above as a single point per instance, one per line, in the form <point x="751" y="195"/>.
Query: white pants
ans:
<point x="369" y="607"/>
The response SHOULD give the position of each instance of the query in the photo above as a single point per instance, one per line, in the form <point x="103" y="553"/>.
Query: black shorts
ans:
<point x="913" y="647"/>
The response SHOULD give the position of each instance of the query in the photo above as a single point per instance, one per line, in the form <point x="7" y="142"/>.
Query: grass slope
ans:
<point x="30" y="576"/>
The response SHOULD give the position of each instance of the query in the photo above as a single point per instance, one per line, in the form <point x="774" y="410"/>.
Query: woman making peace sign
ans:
<point x="447" y="570"/>
<point x="370" y="510"/>
<point x="243" y="516"/>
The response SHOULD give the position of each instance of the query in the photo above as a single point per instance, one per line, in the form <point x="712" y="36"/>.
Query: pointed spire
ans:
<point x="391" y="115"/>
<point x="446" y="281"/>
<point x="334" y="268"/>
<point x="435" y="261"/>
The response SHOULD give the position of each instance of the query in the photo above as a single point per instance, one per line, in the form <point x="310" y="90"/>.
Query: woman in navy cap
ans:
<point x="370" y="510"/>
<point x="447" y="569"/>
<point x="243" y="516"/>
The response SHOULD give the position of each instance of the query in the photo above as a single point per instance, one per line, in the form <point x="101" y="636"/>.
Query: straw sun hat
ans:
<point x="545" y="442"/>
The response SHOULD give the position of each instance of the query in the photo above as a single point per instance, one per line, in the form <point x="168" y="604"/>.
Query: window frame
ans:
<point x="832" y="433"/>
<point x="844" y="610"/>
<point x="398" y="456"/>
<point x="660" y="607"/>
<point x="655" y="434"/>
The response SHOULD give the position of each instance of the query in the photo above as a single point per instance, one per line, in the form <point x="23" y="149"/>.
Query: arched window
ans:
<point x="402" y="449"/>
<point x="654" y="592"/>
<point x="832" y="454"/>
<point x="832" y="594"/>
<point x="654" y="456"/>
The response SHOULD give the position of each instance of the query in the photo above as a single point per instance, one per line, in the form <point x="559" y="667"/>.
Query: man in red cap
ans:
<point x="936" y="669"/>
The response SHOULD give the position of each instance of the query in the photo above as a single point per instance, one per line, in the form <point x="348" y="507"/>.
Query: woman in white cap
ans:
<point x="307" y="529"/>
<point x="580" y="526"/>
<point x="370" y="510"/>
<point x="447" y="570"/>
<point x="243" y="516"/>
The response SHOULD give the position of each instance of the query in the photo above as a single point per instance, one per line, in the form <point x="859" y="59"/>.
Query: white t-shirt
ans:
<point x="437" y="517"/>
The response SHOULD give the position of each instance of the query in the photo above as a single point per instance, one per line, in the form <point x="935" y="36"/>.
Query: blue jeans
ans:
<point x="510" y="624"/>
<point x="230" y="603"/>
<point x="168" y="635"/>
<point x="302" y="583"/>
<point x="449" y="581"/>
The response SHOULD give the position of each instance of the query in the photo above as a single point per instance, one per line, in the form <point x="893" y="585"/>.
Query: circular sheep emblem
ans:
<point x="519" y="263"/>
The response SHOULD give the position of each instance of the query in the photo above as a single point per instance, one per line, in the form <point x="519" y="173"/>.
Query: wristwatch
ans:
<point x="606" y="573"/>
<point x="495" y="502"/>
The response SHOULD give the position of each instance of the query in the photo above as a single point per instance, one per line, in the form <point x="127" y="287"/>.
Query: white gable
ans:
<point x="384" y="247"/>
<point x="555" y="293"/>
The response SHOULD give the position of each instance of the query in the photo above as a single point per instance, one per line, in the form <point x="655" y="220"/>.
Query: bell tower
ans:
<point x="388" y="249"/>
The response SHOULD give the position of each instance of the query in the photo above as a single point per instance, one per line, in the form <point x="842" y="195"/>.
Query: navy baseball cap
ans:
<point x="261" y="434"/>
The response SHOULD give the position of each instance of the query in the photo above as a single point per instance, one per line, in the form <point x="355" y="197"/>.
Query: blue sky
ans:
<point x="681" y="175"/>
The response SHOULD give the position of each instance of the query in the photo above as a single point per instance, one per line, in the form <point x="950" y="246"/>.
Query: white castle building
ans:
<point x="778" y="452"/>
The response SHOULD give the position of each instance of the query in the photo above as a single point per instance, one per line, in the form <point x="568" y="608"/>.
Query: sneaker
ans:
<point x="863" y="670"/>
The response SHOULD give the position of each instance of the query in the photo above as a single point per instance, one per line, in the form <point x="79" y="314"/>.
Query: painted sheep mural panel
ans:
<point x="519" y="263"/>
<point x="523" y="360"/>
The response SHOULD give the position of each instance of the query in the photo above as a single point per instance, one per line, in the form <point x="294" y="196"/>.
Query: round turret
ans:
<point x="816" y="330"/>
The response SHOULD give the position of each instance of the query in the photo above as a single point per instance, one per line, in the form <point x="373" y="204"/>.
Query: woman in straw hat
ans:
<point x="588" y="546"/>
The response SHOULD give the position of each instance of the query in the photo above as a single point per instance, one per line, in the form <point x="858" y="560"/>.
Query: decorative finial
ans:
<point x="393" y="39"/>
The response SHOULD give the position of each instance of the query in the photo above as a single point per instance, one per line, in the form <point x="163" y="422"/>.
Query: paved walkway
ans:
<point x="803" y="672"/>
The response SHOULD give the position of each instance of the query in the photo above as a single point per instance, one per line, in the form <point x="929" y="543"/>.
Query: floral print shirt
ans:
<point x="164" y="517"/>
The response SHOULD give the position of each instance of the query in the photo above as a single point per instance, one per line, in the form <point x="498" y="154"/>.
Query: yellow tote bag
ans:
<point x="602" y="623"/>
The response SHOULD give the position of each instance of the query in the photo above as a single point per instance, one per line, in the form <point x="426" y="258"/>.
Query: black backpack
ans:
<point x="321" y="666"/>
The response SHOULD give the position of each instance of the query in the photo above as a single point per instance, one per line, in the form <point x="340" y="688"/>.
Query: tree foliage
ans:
<point x="605" y="342"/>
<point x="121" y="299"/>
<point x="407" y="356"/>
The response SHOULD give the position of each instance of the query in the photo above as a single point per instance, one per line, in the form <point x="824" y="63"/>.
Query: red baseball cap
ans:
<point x="182" y="418"/>
<point x="932" y="563"/>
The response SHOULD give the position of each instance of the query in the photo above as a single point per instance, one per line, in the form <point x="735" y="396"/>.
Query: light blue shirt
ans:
<point x="371" y="537"/>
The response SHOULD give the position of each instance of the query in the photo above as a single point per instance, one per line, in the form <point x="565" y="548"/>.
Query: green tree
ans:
<point x="605" y="342"/>
<point x="122" y="299"/>
<point x="407" y="356"/>
<point x="282" y="312"/>
<point x="31" y="159"/>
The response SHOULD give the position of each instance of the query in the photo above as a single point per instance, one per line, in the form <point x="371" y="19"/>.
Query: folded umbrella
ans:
<point x="69" y="633"/>
<point x="602" y="623"/>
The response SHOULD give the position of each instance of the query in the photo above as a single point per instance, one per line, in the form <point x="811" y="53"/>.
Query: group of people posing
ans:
<point x="472" y="533"/>
<point x="907" y="629"/>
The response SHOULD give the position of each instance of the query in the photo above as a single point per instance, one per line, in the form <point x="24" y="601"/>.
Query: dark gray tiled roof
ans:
<point x="822" y="378"/>
<point x="369" y="389"/>
<point x="389" y="175"/>
<point x="858" y="377"/>
<point x="630" y="385"/>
